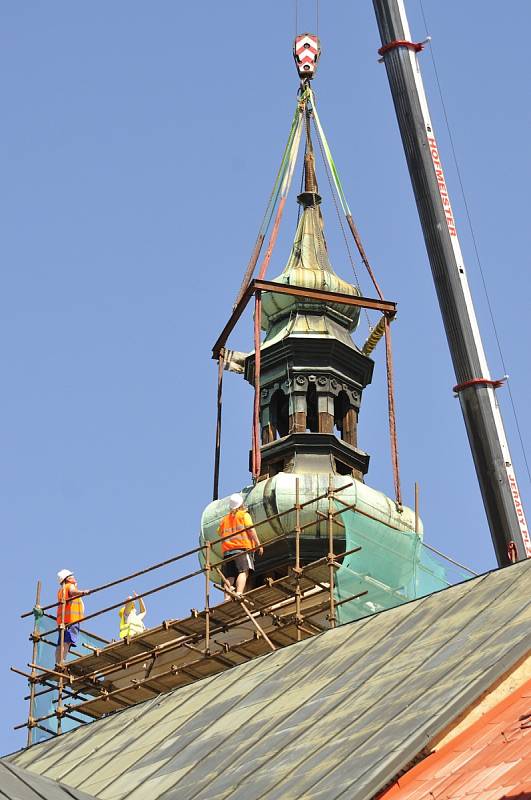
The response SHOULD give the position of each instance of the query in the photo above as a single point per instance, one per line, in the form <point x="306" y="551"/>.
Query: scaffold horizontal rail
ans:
<point x="120" y="683"/>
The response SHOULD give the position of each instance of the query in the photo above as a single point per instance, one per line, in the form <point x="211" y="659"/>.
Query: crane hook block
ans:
<point x="306" y="52"/>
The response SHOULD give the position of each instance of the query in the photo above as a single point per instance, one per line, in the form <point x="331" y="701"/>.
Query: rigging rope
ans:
<point x="280" y="191"/>
<point x="256" y="454"/>
<point x="388" y="349"/>
<point x="273" y="198"/>
<point x="474" y="241"/>
<point x="333" y="169"/>
<point x="340" y="220"/>
<point x="342" y="197"/>
<point x="284" y="191"/>
<point x="217" y="452"/>
<point x="284" y="188"/>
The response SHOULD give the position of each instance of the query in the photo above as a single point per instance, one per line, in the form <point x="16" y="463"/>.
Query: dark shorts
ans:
<point x="71" y="634"/>
<point x="241" y="561"/>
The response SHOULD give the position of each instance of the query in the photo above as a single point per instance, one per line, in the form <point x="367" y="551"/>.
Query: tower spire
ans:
<point x="310" y="196"/>
<point x="309" y="265"/>
<point x="312" y="374"/>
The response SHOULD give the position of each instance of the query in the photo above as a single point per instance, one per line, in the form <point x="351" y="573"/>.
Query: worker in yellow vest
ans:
<point x="237" y="560"/>
<point x="131" y="622"/>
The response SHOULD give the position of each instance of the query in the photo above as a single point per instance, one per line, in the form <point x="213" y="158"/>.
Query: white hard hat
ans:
<point x="63" y="574"/>
<point x="235" y="501"/>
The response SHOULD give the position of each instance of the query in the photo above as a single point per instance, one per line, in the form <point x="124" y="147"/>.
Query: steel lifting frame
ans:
<point x="255" y="289"/>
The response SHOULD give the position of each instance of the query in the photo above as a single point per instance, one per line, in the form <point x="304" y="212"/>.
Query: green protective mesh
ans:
<point x="46" y="703"/>
<point x="392" y="567"/>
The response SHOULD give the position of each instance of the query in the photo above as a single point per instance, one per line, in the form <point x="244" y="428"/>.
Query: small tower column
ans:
<point x="350" y="427"/>
<point x="298" y="405"/>
<point x="325" y="405"/>
<point x="269" y="432"/>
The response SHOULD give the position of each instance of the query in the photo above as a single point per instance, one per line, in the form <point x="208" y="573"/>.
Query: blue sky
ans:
<point x="139" y="143"/>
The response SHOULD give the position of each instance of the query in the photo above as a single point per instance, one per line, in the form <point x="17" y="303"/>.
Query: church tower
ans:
<point x="312" y="374"/>
<point x="307" y="402"/>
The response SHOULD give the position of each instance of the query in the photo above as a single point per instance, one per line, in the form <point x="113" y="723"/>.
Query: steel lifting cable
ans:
<point x="388" y="349"/>
<point x="474" y="241"/>
<point x="296" y="7"/>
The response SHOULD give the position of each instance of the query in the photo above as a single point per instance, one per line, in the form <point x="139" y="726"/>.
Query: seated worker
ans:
<point x="70" y="612"/>
<point x="237" y="547"/>
<point x="132" y="623"/>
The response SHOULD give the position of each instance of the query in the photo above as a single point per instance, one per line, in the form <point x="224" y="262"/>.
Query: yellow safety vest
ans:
<point x="129" y="628"/>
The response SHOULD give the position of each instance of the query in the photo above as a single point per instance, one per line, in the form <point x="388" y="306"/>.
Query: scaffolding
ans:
<point x="307" y="600"/>
<point x="117" y="674"/>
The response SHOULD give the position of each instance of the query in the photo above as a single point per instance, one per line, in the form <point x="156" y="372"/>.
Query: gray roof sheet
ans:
<point x="331" y="717"/>
<point x="21" y="784"/>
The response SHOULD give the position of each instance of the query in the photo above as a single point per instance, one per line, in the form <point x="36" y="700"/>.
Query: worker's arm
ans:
<point x="141" y="605"/>
<point x="76" y="592"/>
<point x="256" y="541"/>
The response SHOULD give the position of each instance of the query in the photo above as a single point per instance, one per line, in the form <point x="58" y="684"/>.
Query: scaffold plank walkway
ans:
<point x="175" y="653"/>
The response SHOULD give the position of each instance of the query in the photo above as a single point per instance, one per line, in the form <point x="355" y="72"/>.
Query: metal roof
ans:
<point x="490" y="760"/>
<point x="21" y="784"/>
<point x="335" y="716"/>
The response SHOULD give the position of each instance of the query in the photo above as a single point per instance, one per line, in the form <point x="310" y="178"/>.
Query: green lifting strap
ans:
<point x="280" y="187"/>
<point x="330" y="160"/>
<point x="284" y="165"/>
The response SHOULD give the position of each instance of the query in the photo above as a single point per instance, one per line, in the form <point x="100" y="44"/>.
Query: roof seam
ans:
<point x="357" y="778"/>
<point x="414" y="607"/>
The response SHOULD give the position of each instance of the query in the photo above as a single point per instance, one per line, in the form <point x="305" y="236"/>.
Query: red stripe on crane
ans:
<point x="415" y="46"/>
<point x="496" y="384"/>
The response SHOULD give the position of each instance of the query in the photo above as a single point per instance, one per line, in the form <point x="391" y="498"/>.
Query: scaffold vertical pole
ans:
<point x="207" y="598"/>
<point x="331" y="563"/>
<point x="35" y="638"/>
<point x="298" y="558"/>
<point x="417" y="521"/>
<point x="217" y="456"/>
<point x="61" y="665"/>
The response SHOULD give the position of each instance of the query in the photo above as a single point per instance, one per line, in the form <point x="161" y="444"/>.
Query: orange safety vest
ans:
<point x="234" y="522"/>
<point x="71" y="610"/>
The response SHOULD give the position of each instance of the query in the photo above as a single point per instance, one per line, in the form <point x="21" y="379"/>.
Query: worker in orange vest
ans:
<point x="238" y="561"/>
<point x="70" y="612"/>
